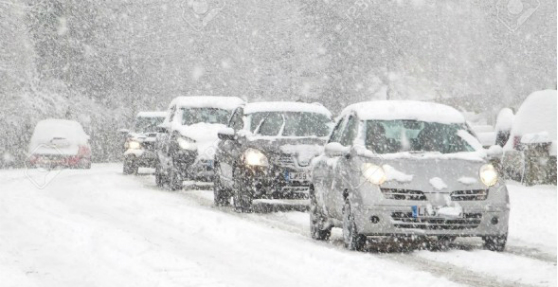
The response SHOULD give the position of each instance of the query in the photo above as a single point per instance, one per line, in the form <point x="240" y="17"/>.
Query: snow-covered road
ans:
<point x="101" y="228"/>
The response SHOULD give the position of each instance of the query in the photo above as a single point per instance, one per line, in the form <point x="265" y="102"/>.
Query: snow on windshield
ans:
<point x="414" y="136"/>
<point x="290" y="124"/>
<point x="192" y="116"/>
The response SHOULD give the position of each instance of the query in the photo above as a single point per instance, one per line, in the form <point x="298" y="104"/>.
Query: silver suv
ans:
<point x="406" y="168"/>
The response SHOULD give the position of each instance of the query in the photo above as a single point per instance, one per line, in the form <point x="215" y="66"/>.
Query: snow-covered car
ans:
<point x="187" y="138"/>
<point x="504" y="123"/>
<point x="266" y="152"/>
<point x="485" y="134"/>
<point x="406" y="168"/>
<point x="57" y="142"/>
<point x="140" y="142"/>
<point x="530" y="152"/>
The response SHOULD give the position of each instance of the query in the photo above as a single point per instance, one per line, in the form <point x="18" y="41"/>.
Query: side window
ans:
<point x="336" y="134"/>
<point x="236" y="122"/>
<point x="350" y="131"/>
<point x="271" y="125"/>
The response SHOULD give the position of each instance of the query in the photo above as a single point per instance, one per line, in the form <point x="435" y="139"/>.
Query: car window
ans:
<point x="271" y="125"/>
<point x="336" y="134"/>
<point x="392" y="136"/>
<point x="350" y="131"/>
<point x="236" y="121"/>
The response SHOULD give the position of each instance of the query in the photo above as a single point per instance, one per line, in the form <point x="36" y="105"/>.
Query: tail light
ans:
<point x="83" y="150"/>
<point x="517" y="142"/>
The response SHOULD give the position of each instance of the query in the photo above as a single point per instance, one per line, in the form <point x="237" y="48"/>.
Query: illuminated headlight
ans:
<point x="186" y="144"/>
<point x="255" y="157"/>
<point x="488" y="175"/>
<point x="373" y="173"/>
<point x="134" y="145"/>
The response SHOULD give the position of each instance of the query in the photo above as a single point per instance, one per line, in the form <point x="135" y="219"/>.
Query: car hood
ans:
<point x="302" y="149"/>
<point x="205" y="136"/>
<point x="431" y="174"/>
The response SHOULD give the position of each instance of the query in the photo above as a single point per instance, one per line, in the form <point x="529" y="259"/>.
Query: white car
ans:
<point x="187" y="138"/>
<point x="57" y="142"/>
<point x="530" y="153"/>
<point x="406" y="169"/>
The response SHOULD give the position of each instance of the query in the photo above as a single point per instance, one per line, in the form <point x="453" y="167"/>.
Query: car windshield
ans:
<point x="393" y="136"/>
<point x="290" y="124"/>
<point x="192" y="116"/>
<point x="147" y="124"/>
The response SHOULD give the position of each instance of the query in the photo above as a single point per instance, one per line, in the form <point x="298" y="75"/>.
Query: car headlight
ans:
<point x="187" y="144"/>
<point x="488" y="175"/>
<point x="134" y="145"/>
<point x="255" y="157"/>
<point x="373" y="173"/>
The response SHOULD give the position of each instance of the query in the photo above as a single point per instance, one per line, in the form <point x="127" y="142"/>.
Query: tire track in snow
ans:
<point x="451" y="272"/>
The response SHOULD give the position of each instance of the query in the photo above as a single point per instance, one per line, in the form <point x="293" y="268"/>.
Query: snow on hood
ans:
<point x="430" y="174"/>
<point x="205" y="136"/>
<point x="393" y="174"/>
<point x="303" y="152"/>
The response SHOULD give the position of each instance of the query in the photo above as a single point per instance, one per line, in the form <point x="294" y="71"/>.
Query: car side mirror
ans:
<point x="494" y="152"/>
<point x="336" y="149"/>
<point x="227" y="134"/>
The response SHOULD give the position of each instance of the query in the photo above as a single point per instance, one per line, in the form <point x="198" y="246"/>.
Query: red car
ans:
<point x="59" y="143"/>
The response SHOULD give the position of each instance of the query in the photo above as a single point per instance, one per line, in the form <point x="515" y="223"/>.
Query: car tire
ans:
<point x="242" y="196"/>
<point x="130" y="167"/>
<point x="160" y="178"/>
<point x="221" y="196"/>
<point x="351" y="238"/>
<point x="175" y="180"/>
<point x="495" y="243"/>
<point x="318" y="228"/>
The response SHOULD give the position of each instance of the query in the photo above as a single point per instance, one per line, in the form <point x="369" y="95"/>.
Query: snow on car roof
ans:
<point x="225" y="103"/>
<point x="151" y="114"/>
<point x="258" y="107"/>
<point x="399" y="110"/>
<point x="48" y="129"/>
<point x="537" y="114"/>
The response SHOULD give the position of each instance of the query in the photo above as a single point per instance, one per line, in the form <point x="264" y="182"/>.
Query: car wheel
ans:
<point x="160" y="178"/>
<point x="318" y="228"/>
<point x="175" y="181"/>
<point x="221" y="196"/>
<point x="495" y="243"/>
<point x="351" y="238"/>
<point x="130" y="167"/>
<point x="242" y="197"/>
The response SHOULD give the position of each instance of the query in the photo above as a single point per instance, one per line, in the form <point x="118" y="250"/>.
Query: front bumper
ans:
<point x="201" y="169"/>
<point x="477" y="217"/>
<point x="141" y="157"/>
<point x="275" y="183"/>
<point x="398" y="220"/>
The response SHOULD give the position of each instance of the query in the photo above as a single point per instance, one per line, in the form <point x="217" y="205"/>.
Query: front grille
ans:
<point x="403" y="194"/>
<point x="285" y="160"/>
<point x="406" y="220"/>
<point x="149" y="145"/>
<point x="295" y="189"/>
<point x="469" y="195"/>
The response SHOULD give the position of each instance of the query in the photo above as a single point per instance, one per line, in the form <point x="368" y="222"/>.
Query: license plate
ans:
<point x="296" y="176"/>
<point x="422" y="211"/>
